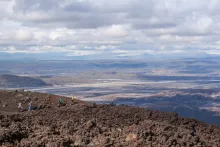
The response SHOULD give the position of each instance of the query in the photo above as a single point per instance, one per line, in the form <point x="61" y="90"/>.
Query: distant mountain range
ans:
<point x="64" y="56"/>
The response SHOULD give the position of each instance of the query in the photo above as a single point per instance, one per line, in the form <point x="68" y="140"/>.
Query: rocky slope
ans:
<point x="92" y="125"/>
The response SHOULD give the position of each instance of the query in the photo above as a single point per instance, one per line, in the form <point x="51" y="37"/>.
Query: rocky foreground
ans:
<point x="85" y="124"/>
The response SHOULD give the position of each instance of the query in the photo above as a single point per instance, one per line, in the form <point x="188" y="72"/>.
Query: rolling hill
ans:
<point x="12" y="81"/>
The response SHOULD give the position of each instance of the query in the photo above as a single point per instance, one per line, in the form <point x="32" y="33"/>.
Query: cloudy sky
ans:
<point x="110" y="28"/>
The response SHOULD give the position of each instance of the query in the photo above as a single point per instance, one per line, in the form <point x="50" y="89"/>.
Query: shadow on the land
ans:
<point x="186" y="106"/>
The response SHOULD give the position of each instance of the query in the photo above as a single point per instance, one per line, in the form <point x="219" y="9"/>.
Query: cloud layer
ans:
<point x="120" y="28"/>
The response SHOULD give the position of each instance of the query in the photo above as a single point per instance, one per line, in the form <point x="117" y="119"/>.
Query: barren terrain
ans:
<point x="87" y="124"/>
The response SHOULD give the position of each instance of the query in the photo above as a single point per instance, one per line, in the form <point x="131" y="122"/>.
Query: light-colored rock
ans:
<point x="131" y="137"/>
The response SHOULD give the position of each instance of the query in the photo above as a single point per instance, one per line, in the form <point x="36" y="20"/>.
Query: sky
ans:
<point x="104" y="29"/>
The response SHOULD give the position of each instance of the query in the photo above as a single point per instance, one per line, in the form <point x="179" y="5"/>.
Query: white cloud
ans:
<point x="104" y="47"/>
<point x="115" y="31"/>
<point x="23" y="35"/>
<point x="82" y="53"/>
<point x="120" y="28"/>
<point x="37" y="49"/>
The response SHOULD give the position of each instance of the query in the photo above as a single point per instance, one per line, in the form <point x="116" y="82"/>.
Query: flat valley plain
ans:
<point x="189" y="87"/>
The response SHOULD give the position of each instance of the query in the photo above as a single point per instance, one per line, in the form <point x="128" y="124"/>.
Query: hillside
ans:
<point x="86" y="124"/>
<point x="12" y="81"/>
